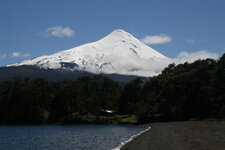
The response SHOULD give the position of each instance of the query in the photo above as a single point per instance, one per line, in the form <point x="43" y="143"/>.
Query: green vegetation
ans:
<point x="185" y="91"/>
<point x="181" y="92"/>
<point x="90" y="118"/>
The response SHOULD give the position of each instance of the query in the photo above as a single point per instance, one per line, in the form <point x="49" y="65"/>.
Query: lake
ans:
<point x="65" y="137"/>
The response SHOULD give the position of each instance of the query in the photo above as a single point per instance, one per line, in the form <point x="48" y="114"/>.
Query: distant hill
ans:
<point x="9" y="73"/>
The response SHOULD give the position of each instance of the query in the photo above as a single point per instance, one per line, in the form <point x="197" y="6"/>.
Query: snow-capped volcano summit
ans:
<point x="119" y="52"/>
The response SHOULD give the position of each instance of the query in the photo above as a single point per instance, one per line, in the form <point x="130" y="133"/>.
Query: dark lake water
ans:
<point x="68" y="137"/>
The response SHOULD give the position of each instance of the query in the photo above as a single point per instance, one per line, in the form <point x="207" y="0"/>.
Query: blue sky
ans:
<point x="31" y="28"/>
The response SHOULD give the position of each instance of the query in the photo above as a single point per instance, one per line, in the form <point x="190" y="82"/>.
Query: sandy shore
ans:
<point x="181" y="136"/>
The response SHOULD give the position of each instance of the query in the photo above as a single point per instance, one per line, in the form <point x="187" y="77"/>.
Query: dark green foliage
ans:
<point x="219" y="88"/>
<point x="130" y="97"/>
<point x="185" y="91"/>
<point x="24" y="101"/>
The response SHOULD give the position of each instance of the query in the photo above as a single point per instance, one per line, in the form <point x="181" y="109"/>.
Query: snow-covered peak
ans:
<point x="119" y="33"/>
<point x="118" y="52"/>
<point x="120" y="37"/>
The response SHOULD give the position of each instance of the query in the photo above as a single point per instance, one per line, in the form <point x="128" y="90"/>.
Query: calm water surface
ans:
<point x="74" y="137"/>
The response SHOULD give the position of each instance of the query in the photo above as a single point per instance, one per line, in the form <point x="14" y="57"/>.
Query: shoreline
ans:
<point x="180" y="136"/>
<point x="123" y="143"/>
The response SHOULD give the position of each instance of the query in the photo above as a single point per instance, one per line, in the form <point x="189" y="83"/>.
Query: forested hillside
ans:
<point x="181" y="92"/>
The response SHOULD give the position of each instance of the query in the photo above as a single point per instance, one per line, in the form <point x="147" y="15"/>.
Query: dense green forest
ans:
<point x="182" y="92"/>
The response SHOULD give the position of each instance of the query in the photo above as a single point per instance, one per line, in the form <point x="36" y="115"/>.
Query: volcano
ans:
<point x="117" y="53"/>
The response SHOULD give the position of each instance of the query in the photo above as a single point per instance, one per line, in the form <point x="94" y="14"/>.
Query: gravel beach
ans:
<point x="181" y="136"/>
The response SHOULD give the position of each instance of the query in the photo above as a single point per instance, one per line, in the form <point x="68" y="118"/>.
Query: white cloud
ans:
<point x="2" y="56"/>
<point x="191" y="57"/>
<point x="15" y="54"/>
<point x="19" y="54"/>
<point x="156" y="39"/>
<point x="26" y="55"/>
<point x="190" y="41"/>
<point x="59" y="31"/>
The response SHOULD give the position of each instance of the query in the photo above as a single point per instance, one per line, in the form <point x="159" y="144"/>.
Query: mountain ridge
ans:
<point x="56" y="75"/>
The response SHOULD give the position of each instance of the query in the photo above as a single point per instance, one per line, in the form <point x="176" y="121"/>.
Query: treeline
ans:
<point x="181" y="92"/>
<point x="24" y="101"/>
<point x="184" y="92"/>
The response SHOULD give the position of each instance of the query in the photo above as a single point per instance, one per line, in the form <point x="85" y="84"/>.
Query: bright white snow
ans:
<point x="118" y="52"/>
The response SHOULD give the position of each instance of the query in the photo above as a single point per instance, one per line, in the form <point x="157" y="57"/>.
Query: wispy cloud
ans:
<point x="156" y="39"/>
<point x="190" y="41"/>
<point x="19" y="54"/>
<point x="191" y="57"/>
<point x="59" y="31"/>
<point x="3" y="56"/>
